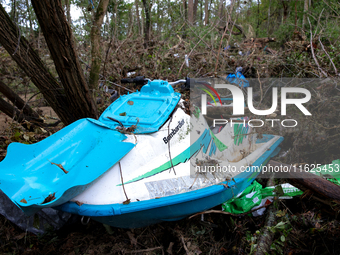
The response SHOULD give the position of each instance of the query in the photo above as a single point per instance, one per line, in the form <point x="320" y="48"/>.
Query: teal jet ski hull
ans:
<point x="62" y="166"/>
<point x="53" y="171"/>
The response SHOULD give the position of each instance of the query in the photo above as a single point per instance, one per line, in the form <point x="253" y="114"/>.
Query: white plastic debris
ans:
<point x="186" y="60"/>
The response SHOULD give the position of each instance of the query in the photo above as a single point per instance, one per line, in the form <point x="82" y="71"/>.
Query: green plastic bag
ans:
<point x="244" y="201"/>
<point x="255" y="196"/>
<point x="331" y="171"/>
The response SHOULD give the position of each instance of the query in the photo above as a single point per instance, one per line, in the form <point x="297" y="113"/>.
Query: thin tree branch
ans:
<point x="323" y="48"/>
<point x="312" y="49"/>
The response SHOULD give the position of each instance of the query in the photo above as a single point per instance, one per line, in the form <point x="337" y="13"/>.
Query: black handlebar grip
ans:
<point x="127" y="80"/>
<point x="139" y="80"/>
<point x="189" y="83"/>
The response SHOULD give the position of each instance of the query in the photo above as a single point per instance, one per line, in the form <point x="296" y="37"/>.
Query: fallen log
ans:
<point x="17" y="101"/>
<point x="266" y="239"/>
<point x="308" y="181"/>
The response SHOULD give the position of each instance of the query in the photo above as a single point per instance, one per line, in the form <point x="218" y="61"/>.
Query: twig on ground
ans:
<point x="227" y="213"/>
<point x="201" y="38"/>
<point x="323" y="48"/>
<point x="185" y="247"/>
<point x="123" y="43"/>
<point x="212" y="50"/>
<point x="312" y="49"/>
<point x="224" y="34"/>
<point x="87" y="66"/>
<point x="144" y="250"/>
<point x="119" y="86"/>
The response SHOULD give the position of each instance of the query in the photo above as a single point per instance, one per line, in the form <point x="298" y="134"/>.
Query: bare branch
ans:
<point x="312" y="49"/>
<point x="323" y="48"/>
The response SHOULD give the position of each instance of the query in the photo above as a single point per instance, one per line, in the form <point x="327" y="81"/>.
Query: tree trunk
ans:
<point x="138" y="18"/>
<point x="147" y="9"/>
<point x="13" y="11"/>
<point x="158" y="18"/>
<point x="268" y="21"/>
<point x="221" y="13"/>
<point x="131" y="22"/>
<point x="195" y="11"/>
<point x="68" y="11"/>
<point x="29" y="18"/>
<point x="116" y="21"/>
<point x="191" y="11"/>
<point x="305" y="10"/>
<point x="285" y="11"/>
<point x="185" y="7"/>
<point x="258" y="17"/>
<point x="29" y="61"/>
<point x="201" y="12"/>
<point x="59" y="39"/>
<point x="17" y="100"/>
<point x="296" y="15"/>
<point x="95" y="43"/>
<point x="206" y="12"/>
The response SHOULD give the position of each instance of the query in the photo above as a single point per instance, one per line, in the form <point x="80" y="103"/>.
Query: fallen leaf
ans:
<point x="280" y="213"/>
<point x="21" y="236"/>
<point x="26" y="137"/>
<point x="130" y="102"/>
<point x="122" y="114"/>
<point x="79" y="203"/>
<point x="317" y="225"/>
<point x="60" y="166"/>
<point x="49" y="198"/>
<point x="133" y="240"/>
<point x="127" y="202"/>
<point x="23" y="201"/>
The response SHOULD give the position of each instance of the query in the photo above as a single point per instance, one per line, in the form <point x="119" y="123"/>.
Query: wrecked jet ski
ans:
<point x="145" y="160"/>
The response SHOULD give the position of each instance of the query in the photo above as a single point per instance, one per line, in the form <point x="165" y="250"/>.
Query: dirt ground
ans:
<point x="307" y="227"/>
<point x="45" y="111"/>
<point x="36" y="103"/>
<point x="3" y="122"/>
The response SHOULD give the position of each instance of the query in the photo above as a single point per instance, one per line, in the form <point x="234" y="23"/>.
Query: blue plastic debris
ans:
<point x="238" y="79"/>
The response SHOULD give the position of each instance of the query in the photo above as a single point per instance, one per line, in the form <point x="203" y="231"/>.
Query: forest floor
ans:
<point x="5" y="121"/>
<point x="302" y="227"/>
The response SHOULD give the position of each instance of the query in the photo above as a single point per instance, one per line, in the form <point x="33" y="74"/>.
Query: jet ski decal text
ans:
<point x="173" y="132"/>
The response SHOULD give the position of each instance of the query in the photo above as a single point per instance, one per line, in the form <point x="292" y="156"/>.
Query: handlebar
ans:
<point x="141" y="80"/>
<point x="177" y="82"/>
<point x="188" y="83"/>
